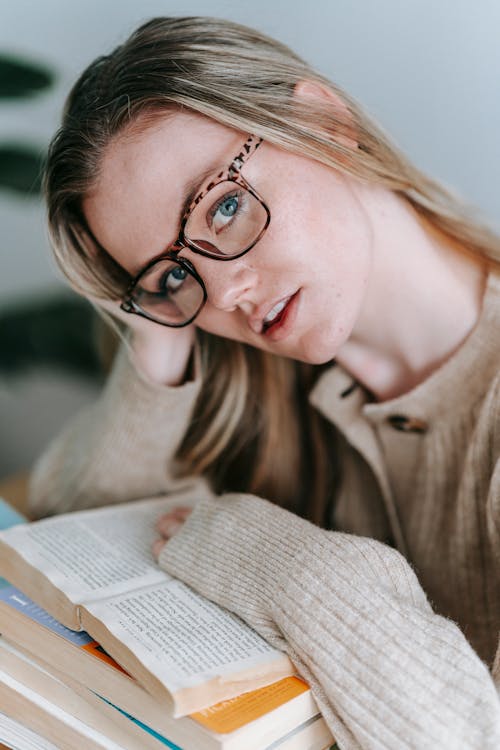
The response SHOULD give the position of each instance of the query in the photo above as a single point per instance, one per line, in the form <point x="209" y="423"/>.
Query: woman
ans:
<point x="307" y="319"/>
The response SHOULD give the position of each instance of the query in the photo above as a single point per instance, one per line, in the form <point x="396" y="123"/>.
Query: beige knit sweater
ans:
<point x="398" y="646"/>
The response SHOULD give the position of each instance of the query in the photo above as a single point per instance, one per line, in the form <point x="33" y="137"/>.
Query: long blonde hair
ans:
<point x="252" y="428"/>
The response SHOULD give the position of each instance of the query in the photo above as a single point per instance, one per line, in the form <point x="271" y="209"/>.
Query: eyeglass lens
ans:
<point x="169" y="293"/>
<point x="225" y="223"/>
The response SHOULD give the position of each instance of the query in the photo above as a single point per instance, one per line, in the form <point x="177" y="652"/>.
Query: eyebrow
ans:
<point x="191" y="190"/>
<point x="192" y="187"/>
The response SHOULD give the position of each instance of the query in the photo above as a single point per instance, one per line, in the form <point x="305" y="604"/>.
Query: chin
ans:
<point x="318" y="360"/>
<point x="317" y="352"/>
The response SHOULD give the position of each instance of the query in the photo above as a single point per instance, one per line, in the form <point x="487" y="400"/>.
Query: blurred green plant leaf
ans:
<point x="21" y="168"/>
<point x="57" y="332"/>
<point x="19" y="78"/>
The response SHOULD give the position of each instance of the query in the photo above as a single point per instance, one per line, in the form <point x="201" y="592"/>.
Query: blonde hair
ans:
<point x="252" y="427"/>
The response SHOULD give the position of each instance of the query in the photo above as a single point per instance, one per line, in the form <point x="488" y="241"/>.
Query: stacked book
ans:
<point x="101" y="649"/>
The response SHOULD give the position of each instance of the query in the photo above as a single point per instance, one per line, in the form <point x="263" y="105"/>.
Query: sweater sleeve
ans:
<point x="117" y="450"/>
<point x="386" y="671"/>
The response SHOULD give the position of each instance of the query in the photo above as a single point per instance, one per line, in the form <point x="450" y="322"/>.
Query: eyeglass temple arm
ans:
<point x="129" y="306"/>
<point x="249" y="147"/>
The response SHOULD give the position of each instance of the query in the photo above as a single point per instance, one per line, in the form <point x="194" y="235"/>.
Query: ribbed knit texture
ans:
<point x="389" y="670"/>
<point x="386" y="671"/>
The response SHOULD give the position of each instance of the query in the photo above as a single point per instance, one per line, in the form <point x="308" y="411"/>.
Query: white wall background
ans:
<point x="429" y="70"/>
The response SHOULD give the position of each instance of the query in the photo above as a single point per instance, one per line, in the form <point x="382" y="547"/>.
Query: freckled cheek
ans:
<point x="285" y="245"/>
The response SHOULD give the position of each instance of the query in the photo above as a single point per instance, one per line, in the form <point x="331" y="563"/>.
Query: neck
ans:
<point x="423" y="299"/>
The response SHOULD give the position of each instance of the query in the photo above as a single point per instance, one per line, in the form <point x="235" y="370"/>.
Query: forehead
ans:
<point x="133" y="210"/>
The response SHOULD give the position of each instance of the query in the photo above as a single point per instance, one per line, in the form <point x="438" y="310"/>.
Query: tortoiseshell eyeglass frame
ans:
<point x="231" y="174"/>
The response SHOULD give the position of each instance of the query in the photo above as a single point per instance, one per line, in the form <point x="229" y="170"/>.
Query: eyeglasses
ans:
<point x="223" y="222"/>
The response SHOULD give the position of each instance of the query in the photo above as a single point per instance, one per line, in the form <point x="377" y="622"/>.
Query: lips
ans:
<point x="280" y="318"/>
<point x="275" y="313"/>
<point x="268" y="319"/>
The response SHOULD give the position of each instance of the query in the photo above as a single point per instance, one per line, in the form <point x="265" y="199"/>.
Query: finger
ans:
<point x="157" y="547"/>
<point x="165" y="517"/>
<point x="168" y="526"/>
<point x="176" y="514"/>
<point x="182" y="512"/>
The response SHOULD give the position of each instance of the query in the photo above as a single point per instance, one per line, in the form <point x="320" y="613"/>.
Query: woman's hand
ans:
<point x="168" y="525"/>
<point x="160" y="352"/>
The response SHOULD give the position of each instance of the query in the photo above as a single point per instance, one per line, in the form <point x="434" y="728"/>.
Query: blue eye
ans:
<point x="224" y="212"/>
<point x="229" y="206"/>
<point x="174" y="279"/>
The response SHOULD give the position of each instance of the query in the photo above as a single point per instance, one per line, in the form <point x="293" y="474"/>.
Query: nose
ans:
<point x="230" y="284"/>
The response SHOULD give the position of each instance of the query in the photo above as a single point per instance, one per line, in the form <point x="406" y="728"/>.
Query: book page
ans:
<point x="182" y="638"/>
<point x="64" y="714"/>
<point x="96" y="553"/>
<point x="18" y="736"/>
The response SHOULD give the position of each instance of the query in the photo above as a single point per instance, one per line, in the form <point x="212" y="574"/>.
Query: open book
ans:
<point x="93" y="571"/>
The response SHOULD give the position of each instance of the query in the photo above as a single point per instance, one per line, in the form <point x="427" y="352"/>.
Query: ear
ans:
<point x="308" y="90"/>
